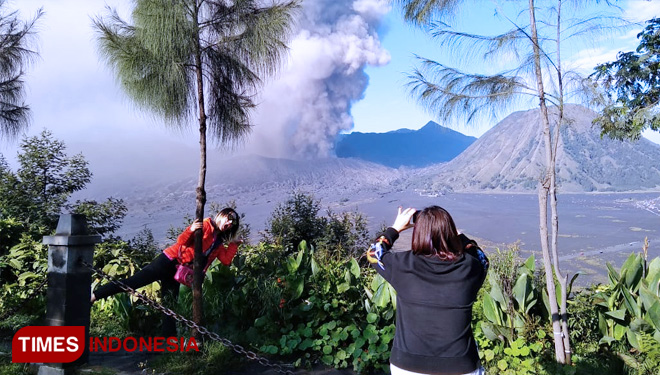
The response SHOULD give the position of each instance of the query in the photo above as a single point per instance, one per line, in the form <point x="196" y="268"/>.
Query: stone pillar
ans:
<point x="69" y="282"/>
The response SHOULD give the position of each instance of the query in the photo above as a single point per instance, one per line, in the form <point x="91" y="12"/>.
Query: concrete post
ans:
<point x="69" y="282"/>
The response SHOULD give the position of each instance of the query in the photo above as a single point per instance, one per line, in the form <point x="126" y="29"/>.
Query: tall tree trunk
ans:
<point x="544" y="190"/>
<point x="563" y="279"/>
<point x="198" y="265"/>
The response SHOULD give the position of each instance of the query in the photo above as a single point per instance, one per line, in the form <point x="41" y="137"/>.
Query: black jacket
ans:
<point x="434" y="308"/>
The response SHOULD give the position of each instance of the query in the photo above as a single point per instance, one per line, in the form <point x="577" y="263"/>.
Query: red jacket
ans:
<point x="185" y="246"/>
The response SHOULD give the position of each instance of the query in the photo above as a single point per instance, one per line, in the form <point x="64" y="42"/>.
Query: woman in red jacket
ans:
<point x="216" y="233"/>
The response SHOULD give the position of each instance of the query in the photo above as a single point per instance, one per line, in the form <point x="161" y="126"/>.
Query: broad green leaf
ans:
<point x="297" y="286"/>
<point x="292" y="265"/>
<point x="634" y="273"/>
<point x="639" y="325"/>
<point x="648" y="298"/>
<point x="490" y="310"/>
<point x="612" y="274"/>
<point x="630" y="303"/>
<point x="619" y="331"/>
<point x="392" y="292"/>
<point x="315" y="267"/>
<point x="632" y="339"/>
<point x="497" y="294"/>
<point x="502" y="365"/>
<point x="489" y="355"/>
<point x="606" y="340"/>
<point x="355" y="268"/>
<point x="305" y="344"/>
<point x="518" y="321"/>
<point x="530" y="264"/>
<point x="617" y="314"/>
<point x="654" y="315"/>
<point x="570" y="283"/>
<point x="372" y="318"/>
<point x="26" y="275"/>
<point x="489" y="331"/>
<point x="653" y="269"/>
<point x="382" y="296"/>
<point x="654" y="283"/>
<point x="367" y="306"/>
<point x="341" y="288"/>
<point x="15" y="264"/>
<point x="377" y="281"/>
<point x="521" y="291"/>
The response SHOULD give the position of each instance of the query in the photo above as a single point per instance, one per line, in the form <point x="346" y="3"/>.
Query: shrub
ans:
<point x="296" y="220"/>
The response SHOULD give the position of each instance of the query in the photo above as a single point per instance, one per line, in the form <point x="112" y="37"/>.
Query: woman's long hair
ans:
<point x="229" y="234"/>
<point x="435" y="234"/>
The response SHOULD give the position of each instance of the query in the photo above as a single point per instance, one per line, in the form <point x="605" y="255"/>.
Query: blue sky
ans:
<point x="387" y="85"/>
<point x="76" y="97"/>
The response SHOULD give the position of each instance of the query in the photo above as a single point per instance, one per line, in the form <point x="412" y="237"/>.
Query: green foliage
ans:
<point x="120" y="315"/>
<point x="583" y="319"/>
<point x="632" y="83"/>
<point x="345" y="233"/>
<point x="647" y="360"/>
<point x="8" y="368"/>
<point x="629" y="306"/>
<point x="155" y="57"/>
<point x="45" y="179"/>
<point x="102" y="218"/>
<point x="22" y="270"/>
<point x="448" y="92"/>
<point x="508" y="331"/>
<point x="309" y="306"/>
<point x="298" y="220"/>
<point x="10" y="232"/>
<point x="512" y="305"/>
<point x="16" y="37"/>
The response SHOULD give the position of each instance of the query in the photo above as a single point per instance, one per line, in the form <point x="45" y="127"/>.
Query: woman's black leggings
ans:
<point x="160" y="269"/>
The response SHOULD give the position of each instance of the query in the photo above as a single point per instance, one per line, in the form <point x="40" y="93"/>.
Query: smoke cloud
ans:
<point x="303" y="110"/>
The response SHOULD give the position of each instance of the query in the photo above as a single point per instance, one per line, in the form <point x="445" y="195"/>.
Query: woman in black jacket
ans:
<point x="436" y="282"/>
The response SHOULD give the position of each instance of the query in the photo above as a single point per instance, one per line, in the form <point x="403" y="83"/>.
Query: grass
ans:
<point x="213" y="358"/>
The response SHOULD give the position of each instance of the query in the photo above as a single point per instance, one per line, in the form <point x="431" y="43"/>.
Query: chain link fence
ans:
<point x="202" y="330"/>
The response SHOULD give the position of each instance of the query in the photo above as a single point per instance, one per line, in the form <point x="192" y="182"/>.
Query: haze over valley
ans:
<point x="609" y="190"/>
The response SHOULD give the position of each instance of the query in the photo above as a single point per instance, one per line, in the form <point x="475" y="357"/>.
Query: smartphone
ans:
<point x="414" y="217"/>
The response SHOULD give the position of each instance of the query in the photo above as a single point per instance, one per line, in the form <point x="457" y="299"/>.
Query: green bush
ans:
<point x="122" y="315"/>
<point x="296" y="220"/>
<point x="308" y="307"/>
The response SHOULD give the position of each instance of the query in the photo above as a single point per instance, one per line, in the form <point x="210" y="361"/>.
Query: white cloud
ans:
<point x="642" y="10"/>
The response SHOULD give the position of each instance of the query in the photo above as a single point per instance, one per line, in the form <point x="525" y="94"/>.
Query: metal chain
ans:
<point x="214" y="336"/>
<point x="36" y="291"/>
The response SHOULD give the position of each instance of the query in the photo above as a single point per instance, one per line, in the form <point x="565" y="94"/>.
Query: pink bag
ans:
<point x="184" y="275"/>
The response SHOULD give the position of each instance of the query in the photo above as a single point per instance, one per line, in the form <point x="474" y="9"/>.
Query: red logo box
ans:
<point x="48" y="344"/>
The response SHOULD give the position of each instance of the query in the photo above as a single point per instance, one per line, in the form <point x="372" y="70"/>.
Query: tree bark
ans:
<point x="198" y="264"/>
<point x="544" y="190"/>
<point x="553" y="200"/>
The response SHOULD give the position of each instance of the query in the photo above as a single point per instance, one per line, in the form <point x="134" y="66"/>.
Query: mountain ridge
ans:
<point x="431" y="144"/>
<point x="510" y="157"/>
